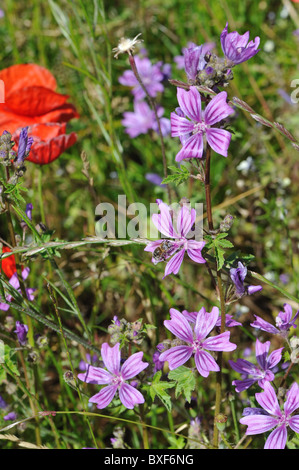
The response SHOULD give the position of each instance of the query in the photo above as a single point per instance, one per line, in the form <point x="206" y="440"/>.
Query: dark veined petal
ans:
<point x="180" y="125"/>
<point x="130" y="396"/>
<point x="133" y="366"/>
<point x="179" y="326"/>
<point x="217" y="109"/>
<point x="104" y="397"/>
<point x="192" y="148"/>
<point x="268" y="400"/>
<point x="205" y="363"/>
<point x="176" y="356"/>
<point x="258" y="424"/>
<point x="95" y="374"/>
<point x="174" y="264"/>
<point x="277" y="439"/>
<point x="219" y="140"/>
<point x="111" y="357"/>
<point x="190" y="103"/>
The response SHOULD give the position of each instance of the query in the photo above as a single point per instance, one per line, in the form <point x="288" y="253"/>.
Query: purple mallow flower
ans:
<point x="260" y="373"/>
<point x="14" y="282"/>
<point x="192" y="131"/>
<point x="21" y="331"/>
<point x="260" y="420"/>
<point x="115" y="377"/>
<point x="284" y="322"/>
<point x="238" y="276"/>
<point x="197" y="342"/>
<point x="177" y="243"/>
<point x="198" y="53"/>
<point x="236" y="47"/>
<point x="151" y="76"/>
<point x="143" y="119"/>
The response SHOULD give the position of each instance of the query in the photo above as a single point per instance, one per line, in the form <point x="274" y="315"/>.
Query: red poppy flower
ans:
<point x="31" y="100"/>
<point x="8" y="264"/>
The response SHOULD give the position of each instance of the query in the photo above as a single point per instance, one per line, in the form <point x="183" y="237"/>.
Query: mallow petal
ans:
<point x="179" y="326"/>
<point x="219" y="140"/>
<point x="111" y="357"/>
<point x="205" y="363"/>
<point x="217" y="109"/>
<point x="104" y="397"/>
<point x="173" y="266"/>
<point x="130" y="396"/>
<point x="190" y="103"/>
<point x="268" y="400"/>
<point x="176" y="356"/>
<point x="258" y="424"/>
<point x="277" y="439"/>
<point x="95" y="374"/>
<point x="192" y="148"/>
<point x="133" y="366"/>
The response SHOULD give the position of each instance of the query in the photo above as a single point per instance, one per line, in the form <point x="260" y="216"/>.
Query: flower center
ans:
<point x="196" y="345"/>
<point x="116" y="380"/>
<point x="199" y="127"/>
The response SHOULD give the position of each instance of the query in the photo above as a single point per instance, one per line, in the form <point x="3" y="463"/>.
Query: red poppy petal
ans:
<point x="64" y="114"/>
<point x="8" y="264"/>
<point x="34" y="101"/>
<point x="10" y="121"/>
<point x="42" y="131"/>
<point x="23" y="75"/>
<point x="43" y="153"/>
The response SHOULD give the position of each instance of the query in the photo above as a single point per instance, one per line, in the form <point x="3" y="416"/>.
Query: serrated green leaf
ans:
<point x="185" y="381"/>
<point x="9" y="362"/>
<point x="180" y="175"/>
<point x="158" y="388"/>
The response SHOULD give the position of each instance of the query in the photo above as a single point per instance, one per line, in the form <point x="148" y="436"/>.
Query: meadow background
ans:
<point x="74" y="40"/>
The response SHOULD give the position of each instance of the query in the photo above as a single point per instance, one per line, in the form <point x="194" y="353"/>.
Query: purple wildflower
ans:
<point x="143" y="119"/>
<point x="115" y="377"/>
<point x="179" y="242"/>
<point x="236" y="47"/>
<point x="10" y="416"/>
<point x="283" y="321"/>
<point x="191" y="131"/>
<point x="262" y="372"/>
<point x="14" y="282"/>
<point x="90" y="359"/>
<point x="229" y="321"/>
<point x="21" y="331"/>
<point x="238" y="276"/>
<point x="158" y="364"/>
<point x="155" y="179"/>
<point x="151" y="76"/>
<point x="180" y="59"/>
<point x="197" y="343"/>
<point x="28" y="211"/>
<point x="270" y="416"/>
<point x="3" y="403"/>
<point x="24" y="146"/>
